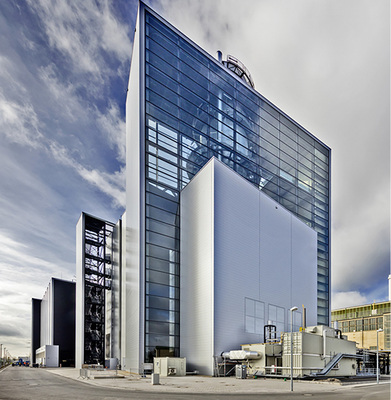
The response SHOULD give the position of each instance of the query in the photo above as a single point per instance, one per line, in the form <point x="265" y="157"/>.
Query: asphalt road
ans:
<point x="21" y="383"/>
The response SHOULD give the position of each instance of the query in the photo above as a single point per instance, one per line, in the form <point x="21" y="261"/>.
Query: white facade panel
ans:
<point x="304" y="256"/>
<point x="251" y="248"/>
<point x="275" y="261"/>
<point x="52" y="356"/>
<point x="79" y="337"/>
<point x="47" y="315"/>
<point x="44" y="335"/>
<point x="48" y="356"/>
<point x="115" y="293"/>
<point x="197" y="284"/>
<point x="133" y="269"/>
<point x="236" y="265"/>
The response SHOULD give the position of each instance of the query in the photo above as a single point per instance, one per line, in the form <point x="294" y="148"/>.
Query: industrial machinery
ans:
<point x="318" y="351"/>
<point x="169" y="366"/>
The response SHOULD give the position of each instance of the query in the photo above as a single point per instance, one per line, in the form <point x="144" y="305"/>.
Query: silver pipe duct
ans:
<point x="241" y="355"/>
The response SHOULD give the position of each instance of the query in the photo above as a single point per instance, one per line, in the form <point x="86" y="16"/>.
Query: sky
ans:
<point x="64" y="69"/>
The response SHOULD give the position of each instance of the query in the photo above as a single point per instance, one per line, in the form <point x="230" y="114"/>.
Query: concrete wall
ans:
<point x="242" y="255"/>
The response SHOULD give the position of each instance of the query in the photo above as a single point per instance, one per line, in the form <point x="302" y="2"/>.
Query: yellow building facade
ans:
<point x="361" y="323"/>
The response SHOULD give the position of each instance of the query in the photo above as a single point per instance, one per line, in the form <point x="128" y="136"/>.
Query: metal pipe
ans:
<point x="241" y="355"/>
<point x="377" y="354"/>
<point x="220" y="56"/>
<point x="324" y="343"/>
<point x="292" y="310"/>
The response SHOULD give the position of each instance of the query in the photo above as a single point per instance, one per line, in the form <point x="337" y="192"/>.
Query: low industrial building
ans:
<point x="368" y="325"/>
<point x="53" y="325"/>
<point x="48" y="356"/>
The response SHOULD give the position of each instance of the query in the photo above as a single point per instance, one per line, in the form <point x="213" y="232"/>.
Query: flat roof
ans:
<point x="361" y="306"/>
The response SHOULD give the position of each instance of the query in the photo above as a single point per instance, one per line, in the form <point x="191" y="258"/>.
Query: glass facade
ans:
<point x="195" y="109"/>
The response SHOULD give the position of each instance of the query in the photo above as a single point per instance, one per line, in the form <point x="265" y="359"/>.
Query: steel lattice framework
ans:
<point x="97" y="279"/>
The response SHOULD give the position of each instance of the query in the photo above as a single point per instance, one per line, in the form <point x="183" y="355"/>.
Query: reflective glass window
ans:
<point x="196" y="109"/>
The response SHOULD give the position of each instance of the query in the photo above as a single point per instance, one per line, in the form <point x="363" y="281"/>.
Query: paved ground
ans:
<point x="205" y="384"/>
<point x="63" y="384"/>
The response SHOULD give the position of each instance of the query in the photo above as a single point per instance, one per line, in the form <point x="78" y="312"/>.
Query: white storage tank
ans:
<point x="169" y="366"/>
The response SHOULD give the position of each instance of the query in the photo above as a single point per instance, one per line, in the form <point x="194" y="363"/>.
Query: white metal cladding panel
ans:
<point x="79" y="350"/>
<point x="304" y="271"/>
<point x="132" y="348"/>
<point x="115" y="292"/>
<point x="196" y="293"/>
<point x="253" y="258"/>
<point x="46" y="316"/>
<point x="275" y="255"/>
<point x="272" y="249"/>
<point x="52" y="356"/>
<point x="236" y="257"/>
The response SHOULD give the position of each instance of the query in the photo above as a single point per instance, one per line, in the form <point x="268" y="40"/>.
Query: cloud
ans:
<point x="20" y="254"/>
<point x="347" y="299"/>
<point x="113" y="185"/>
<point x="114" y="126"/>
<point x="25" y="271"/>
<point x="327" y="65"/>
<point x="20" y="123"/>
<point x="63" y="93"/>
<point x="361" y="245"/>
<point x="9" y="331"/>
<point x="20" y="262"/>
<point x="23" y="276"/>
<point x="83" y="32"/>
<point x="63" y="75"/>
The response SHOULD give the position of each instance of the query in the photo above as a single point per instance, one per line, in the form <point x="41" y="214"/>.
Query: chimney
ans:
<point x="220" y="56"/>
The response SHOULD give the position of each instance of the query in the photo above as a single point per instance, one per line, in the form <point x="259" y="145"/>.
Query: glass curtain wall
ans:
<point x="196" y="109"/>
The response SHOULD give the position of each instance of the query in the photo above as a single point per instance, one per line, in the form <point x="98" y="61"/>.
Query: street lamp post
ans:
<point x="292" y="310"/>
<point x="377" y="354"/>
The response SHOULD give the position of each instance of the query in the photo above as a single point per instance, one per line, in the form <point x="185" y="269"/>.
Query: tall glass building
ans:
<point x="184" y="107"/>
